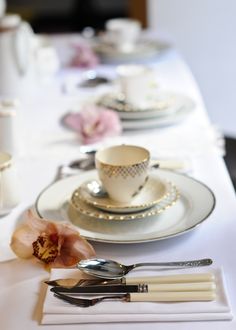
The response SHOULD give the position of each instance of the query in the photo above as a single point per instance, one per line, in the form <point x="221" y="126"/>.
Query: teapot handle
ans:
<point x="23" y="37"/>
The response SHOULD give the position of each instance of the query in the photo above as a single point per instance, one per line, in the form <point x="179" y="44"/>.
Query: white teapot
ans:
<point x="16" y="38"/>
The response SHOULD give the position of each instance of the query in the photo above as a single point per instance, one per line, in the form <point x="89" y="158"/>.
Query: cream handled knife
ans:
<point x="130" y="288"/>
<point x="172" y="164"/>
<point x="178" y="278"/>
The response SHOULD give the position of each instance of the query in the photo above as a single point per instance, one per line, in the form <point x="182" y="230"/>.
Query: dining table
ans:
<point x="45" y="144"/>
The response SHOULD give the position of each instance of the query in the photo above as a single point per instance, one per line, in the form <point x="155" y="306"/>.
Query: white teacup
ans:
<point x="123" y="170"/>
<point x="9" y="185"/>
<point x="137" y="84"/>
<point x="123" y="33"/>
<point x="9" y="139"/>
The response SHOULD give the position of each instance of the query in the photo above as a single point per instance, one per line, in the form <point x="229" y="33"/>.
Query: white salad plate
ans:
<point x="162" y="103"/>
<point x="153" y="192"/>
<point x="143" y="49"/>
<point x="195" y="204"/>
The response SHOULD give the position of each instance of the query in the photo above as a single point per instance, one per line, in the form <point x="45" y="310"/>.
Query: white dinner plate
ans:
<point x="195" y="204"/>
<point x="162" y="103"/>
<point x="173" y="119"/>
<point x="152" y="193"/>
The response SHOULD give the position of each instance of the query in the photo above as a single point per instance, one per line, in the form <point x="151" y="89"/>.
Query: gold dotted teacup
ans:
<point x="123" y="170"/>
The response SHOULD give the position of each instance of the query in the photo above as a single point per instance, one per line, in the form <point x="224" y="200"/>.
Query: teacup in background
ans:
<point x="137" y="84"/>
<point x="9" y="132"/>
<point x="123" y="33"/>
<point x="123" y="170"/>
<point x="9" y="185"/>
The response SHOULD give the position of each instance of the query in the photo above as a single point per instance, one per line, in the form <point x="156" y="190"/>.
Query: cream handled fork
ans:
<point x="141" y="297"/>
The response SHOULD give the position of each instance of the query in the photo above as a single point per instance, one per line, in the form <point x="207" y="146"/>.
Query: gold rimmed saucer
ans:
<point x="91" y="211"/>
<point x="152" y="193"/>
<point x="161" y="104"/>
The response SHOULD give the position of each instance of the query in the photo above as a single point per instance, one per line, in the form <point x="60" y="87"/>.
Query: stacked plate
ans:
<point x="156" y="196"/>
<point x="143" y="49"/>
<point x="160" y="211"/>
<point x="163" y="109"/>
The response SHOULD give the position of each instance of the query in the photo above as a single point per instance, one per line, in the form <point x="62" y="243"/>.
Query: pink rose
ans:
<point x="94" y="123"/>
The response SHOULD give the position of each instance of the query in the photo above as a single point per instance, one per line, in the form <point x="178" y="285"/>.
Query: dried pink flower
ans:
<point x="56" y="245"/>
<point x="94" y="123"/>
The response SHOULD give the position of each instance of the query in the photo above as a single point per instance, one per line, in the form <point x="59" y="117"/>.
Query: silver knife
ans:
<point x="120" y="288"/>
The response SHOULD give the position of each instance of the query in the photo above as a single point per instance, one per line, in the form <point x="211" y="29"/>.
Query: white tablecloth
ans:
<point x="44" y="143"/>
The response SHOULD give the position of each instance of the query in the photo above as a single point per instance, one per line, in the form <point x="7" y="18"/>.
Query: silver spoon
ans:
<point x="111" y="269"/>
<point x="87" y="162"/>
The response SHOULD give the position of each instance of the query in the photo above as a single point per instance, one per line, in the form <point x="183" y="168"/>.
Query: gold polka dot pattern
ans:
<point x="124" y="171"/>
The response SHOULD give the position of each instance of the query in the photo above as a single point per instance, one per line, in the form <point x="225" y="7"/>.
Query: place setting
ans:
<point x="104" y="291"/>
<point x="141" y="103"/>
<point x="126" y="199"/>
<point x="135" y="101"/>
<point x="122" y="41"/>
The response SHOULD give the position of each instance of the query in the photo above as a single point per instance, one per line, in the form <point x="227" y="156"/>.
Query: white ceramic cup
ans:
<point x="123" y="171"/>
<point x="137" y="84"/>
<point x="9" y="185"/>
<point x="9" y="137"/>
<point x="123" y="33"/>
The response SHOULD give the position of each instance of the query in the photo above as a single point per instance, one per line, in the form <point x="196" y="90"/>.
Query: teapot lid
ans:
<point x="9" y="22"/>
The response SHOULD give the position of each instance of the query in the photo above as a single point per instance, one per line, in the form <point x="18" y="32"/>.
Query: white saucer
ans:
<point x="128" y="212"/>
<point x="93" y="212"/>
<point x="195" y="204"/>
<point x="162" y="103"/>
<point x="152" y="193"/>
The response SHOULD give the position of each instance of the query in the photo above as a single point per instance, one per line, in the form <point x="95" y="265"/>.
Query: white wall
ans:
<point x="205" y="33"/>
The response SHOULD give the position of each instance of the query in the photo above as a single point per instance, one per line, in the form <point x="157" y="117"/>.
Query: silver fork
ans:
<point x="84" y="302"/>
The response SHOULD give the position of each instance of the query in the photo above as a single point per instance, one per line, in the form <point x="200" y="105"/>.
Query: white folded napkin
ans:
<point x="56" y="311"/>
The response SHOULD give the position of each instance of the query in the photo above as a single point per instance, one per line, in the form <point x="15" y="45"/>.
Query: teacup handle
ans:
<point x="23" y="37"/>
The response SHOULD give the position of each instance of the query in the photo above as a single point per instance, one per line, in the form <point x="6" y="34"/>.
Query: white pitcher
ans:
<point x="15" y="55"/>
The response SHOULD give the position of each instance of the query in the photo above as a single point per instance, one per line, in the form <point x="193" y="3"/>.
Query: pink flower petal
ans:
<point x="21" y="242"/>
<point x="56" y="244"/>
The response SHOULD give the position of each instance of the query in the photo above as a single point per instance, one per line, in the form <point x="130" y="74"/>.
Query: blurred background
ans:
<point x="202" y="30"/>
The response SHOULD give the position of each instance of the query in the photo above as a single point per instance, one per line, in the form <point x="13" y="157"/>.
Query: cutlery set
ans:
<point x="87" y="292"/>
